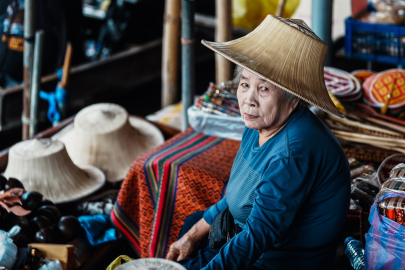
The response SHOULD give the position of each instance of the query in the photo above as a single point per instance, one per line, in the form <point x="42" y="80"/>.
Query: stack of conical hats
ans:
<point x="44" y="165"/>
<point x="104" y="135"/>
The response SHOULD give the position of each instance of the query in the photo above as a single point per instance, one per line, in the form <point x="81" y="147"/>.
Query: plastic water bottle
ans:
<point x="355" y="252"/>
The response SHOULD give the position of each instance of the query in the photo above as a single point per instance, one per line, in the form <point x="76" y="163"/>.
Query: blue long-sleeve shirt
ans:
<point x="290" y="196"/>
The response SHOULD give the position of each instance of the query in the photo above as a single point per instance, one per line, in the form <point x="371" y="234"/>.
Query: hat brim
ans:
<point x="96" y="180"/>
<point x="148" y="130"/>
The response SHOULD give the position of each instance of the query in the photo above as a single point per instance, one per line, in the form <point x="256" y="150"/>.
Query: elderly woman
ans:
<point x="289" y="187"/>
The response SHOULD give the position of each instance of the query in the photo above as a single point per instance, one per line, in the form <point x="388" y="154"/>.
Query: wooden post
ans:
<point x="170" y="54"/>
<point x="223" y="33"/>
<point x="36" y="80"/>
<point x="61" y="89"/>
<point x="66" y="66"/>
<point x="280" y="8"/>
<point x="29" y="32"/>
<point x="187" y="59"/>
<point x="321" y="24"/>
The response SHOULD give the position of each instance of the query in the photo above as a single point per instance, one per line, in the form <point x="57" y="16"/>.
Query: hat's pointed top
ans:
<point x="300" y="25"/>
<point x="101" y="118"/>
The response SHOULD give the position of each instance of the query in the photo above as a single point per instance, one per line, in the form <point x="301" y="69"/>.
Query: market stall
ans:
<point x="106" y="178"/>
<point x="45" y="212"/>
<point x="187" y="173"/>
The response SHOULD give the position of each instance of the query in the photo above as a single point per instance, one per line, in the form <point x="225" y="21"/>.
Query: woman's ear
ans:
<point x="296" y="102"/>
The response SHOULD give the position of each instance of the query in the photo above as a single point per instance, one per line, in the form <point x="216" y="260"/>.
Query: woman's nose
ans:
<point x="251" y="98"/>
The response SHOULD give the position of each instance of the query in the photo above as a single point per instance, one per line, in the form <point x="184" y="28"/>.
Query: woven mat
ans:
<point x="187" y="173"/>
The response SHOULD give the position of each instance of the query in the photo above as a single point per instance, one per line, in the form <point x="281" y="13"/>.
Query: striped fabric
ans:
<point x="385" y="241"/>
<point x="188" y="173"/>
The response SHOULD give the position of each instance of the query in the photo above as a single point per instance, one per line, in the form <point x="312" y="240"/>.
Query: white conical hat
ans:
<point x="151" y="264"/>
<point x="44" y="165"/>
<point x="105" y="136"/>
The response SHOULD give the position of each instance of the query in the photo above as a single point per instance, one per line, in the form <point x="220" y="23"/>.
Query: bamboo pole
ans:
<point x="170" y="54"/>
<point x="187" y="58"/>
<point x="36" y="80"/>
<point x="360" y="125"/>
<point x="280" y="8"/>
<point x="62" y="85"/>
<point x="66" y="66"/>
<point x="370" y="139"/>
<point x="223" y="33"/>
<point x="29" y="32"/>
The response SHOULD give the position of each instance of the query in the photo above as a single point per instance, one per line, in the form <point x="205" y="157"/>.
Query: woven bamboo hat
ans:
<point x="44" y="165"/>
<point x="104" y="136"/>
<point x="286" y="53"/>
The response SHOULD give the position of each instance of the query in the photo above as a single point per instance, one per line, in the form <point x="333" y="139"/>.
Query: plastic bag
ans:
<point x="250" y="13"/>
<point x="388" y="11"/>
<point x="398" y="171"/>
<point x="392" y="208"/>
<point x="388" y="5"/>
<point x="385" y="243"/>
<point x="363" y="193"/>
<point x="216" y="125"/>
<point x="8" y="251"/>
<point x="395" y="184"/>
<point x="117" y="262"/>
<point x="51" y="265"/>
<point x="366" y="171"/>
<point x="395" y="17"/>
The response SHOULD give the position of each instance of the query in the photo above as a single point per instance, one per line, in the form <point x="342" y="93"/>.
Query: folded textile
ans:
<point x="99" y="229"/>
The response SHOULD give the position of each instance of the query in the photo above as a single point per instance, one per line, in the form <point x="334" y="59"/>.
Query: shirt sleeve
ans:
<point x="284" y="187"/>
<point x="211" y="213"/>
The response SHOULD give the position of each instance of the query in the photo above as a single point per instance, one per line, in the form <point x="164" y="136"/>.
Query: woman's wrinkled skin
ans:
<point x="263" y="105"/>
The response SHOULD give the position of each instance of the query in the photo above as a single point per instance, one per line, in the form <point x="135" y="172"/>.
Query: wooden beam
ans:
<point x="29" y="36"/>
<point x="223" y="33"/>
<point x="280" y="8"/>
<point x="187" y="58"/>
<point x="170" y="54"/>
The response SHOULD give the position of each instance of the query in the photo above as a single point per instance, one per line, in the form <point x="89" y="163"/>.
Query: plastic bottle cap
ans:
<point x="348" y="239"/>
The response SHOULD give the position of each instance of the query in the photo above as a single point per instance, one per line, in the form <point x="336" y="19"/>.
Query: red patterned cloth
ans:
<point x="186" y="174"/>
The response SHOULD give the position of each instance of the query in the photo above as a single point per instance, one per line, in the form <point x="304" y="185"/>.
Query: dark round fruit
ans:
<point x="13" y="183"/>
<point x="31" y="200"/>
<point x="10" y="220"/>
<point x="3" y="182"/>
<point x="46" y="235"/>
<point x="20" y="240"/>
<point x="70" y="227"/>
<point x="50" y="212"/>
<point x="47" y="202"/>
<point x="38" y="223"/>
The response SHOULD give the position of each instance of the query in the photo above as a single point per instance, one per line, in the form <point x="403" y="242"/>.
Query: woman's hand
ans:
<point x="182" y="248"/>
<point x="185" y="246"/>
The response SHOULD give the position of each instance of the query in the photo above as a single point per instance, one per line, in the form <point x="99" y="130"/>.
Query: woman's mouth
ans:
<point x="250" y="116"/>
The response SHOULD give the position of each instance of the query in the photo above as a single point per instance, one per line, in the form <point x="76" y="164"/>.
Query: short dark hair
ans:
<point x="287" y="95"/>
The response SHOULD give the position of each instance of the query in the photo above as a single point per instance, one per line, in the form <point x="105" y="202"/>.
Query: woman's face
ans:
<point x="262" y="104"/>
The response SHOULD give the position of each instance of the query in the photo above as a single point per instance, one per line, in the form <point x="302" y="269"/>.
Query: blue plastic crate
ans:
<point x="382" y="43"/>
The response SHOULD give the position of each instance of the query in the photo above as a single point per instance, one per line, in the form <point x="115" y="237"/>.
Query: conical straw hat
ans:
<point x="286" y="53"/>
<point x="44" y="165"/>
<point x="104" y="136"/>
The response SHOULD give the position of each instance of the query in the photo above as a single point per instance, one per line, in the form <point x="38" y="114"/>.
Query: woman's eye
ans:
<point x="244" y="84"/>
<point x="264" y="88"/>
